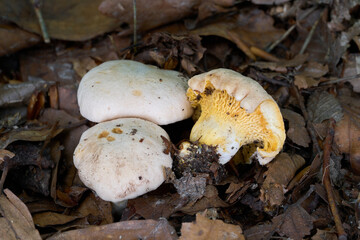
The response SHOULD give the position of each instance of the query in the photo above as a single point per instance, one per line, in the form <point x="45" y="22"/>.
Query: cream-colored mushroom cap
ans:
<point x="235" y="111"/>
<point x="123" y="158"/>
<point x="125" y="88"/>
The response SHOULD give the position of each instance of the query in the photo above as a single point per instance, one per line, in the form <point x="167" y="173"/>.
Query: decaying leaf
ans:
<point x="69" y="20"/>
<point x="135" y="229"/>
<point x="302" y="81"/>
<point x="16" y="221"/>
<point x="26" y="134"/>
<point x="297" y="131"/>
<point x="13" y="39"/>
<point x="280" y="172"/>
<point x="10" y="117"/>
<point x="295" y="223"/>
<point x="155" y="206"/>
<point x="210" y="199"/>
<point x="46" y="219"/>
<point x="204" y="228"/>
<point x="322" y="106"/>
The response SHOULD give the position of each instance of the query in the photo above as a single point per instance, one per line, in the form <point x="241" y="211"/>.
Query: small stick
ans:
<point x="4" y="173"/>
<point x="287" y="33"/>
<point x="327" y="183"/>
<point x="45" y="35"/>
<point x="309" y="125"/>
<point x="263" y="54"/>
<point x="310" y="35"/>
<point x="240" y="44"/>
<point x="343" y="79"/>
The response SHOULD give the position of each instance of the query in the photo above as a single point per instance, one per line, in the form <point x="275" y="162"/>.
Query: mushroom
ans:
<point x="123" y="158"/>
<point x="125" y="88"/>
<point x="235" y="112"/>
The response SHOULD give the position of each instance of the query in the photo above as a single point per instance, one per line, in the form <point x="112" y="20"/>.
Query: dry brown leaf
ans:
<point x="314" y="69"/>
<point x="297" y="131"/>
<point x="83" y="65"/>
<point x="204" y="229"/>
<point x="13" y="39"/>
<point x="323" y="106"/>
<point x="258" y="231"/>
<point x="253" y="27"/>
<point x="155" y="206"/>
<point x="294" y="223"/>
<point x="46" y="219"/>
<point x="16" y="221"/>
<point x="280" y="172"/>
<point x="67" y="20"/>
<point x="210" y="199"/>
<point x="132" y="230"/>
<point x="303" y="82"/>
<point x="26" y="134"/>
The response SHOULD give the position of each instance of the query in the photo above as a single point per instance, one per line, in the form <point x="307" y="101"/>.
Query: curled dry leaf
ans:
<point x="294" y="223"/>
<point x="46" y="219"/>
<point x="16" y="221"/>
<point x="281" y="170"/>
<point x="322" y="106"/>
<point x="204" y="228"/>
<point x="297" y="131"/>
<point x="136" y="229"/>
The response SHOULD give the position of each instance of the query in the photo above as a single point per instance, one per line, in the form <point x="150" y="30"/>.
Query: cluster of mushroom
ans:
<point x="123" y="156"/>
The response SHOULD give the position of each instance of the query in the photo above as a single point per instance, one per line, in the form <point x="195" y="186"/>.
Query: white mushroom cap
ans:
<point x="125" y="88"/>
<point x="123" y="158"/>
<point x="235" y="111"/>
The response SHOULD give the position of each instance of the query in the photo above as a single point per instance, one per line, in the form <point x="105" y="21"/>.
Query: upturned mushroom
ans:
<point x="125" y="88"/>
<point x="123" y="158"/>
<point x="235" y="112"/>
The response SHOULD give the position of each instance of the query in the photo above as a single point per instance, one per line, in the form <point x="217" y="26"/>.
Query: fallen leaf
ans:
<point x="313" y="69"/>
<point x="324" y="235"/>
<point x="210" y="199"/>
<point x="135" y="229"/>
<point x="280" y="172"/>
<point x="204" y="228"/>
<point x="83" y="65"/>
<point x="12" y="116"/>
<point x="258" y="231"/>
<point x="16" y="221"/>
<point x="295" y="223"/>
<point x="155" y="206"/>
<point x="303" y="82"/>
<point x="297" y="131"/>
<point x="13" y="39"/>
<point x="323" y="106"/>
<point x="70" y="20"/>
<point x="46" y="219"/>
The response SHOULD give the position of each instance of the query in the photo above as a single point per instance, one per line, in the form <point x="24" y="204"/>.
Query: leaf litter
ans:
<point x="304" y="53"/>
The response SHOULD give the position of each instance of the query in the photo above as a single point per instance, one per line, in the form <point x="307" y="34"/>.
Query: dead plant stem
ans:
<point x="327" y="183"/>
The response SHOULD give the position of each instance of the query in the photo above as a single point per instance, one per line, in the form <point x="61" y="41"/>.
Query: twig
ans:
<point x="241" y="45"/>
<point x="310" y="35"/>
<point x="272" y="46"/>
<point x="135" y="23"/>
<point x="262" y="77"/>
<point x="36" y="4"/>
<point x="327" y="183"/>
<point x="309" y="125"/>
<point x="263" y="54"/>
<point x="343" y="79"/>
